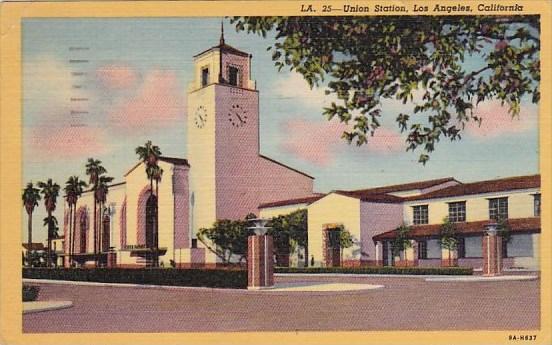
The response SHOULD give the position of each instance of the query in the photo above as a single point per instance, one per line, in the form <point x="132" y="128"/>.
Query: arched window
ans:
<point x="83" y="222"/>
<point x="151" y="218"/>
<point x="106" y="223"/>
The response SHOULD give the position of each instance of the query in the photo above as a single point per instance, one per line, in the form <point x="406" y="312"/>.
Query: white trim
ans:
<point x="465" y="197"/>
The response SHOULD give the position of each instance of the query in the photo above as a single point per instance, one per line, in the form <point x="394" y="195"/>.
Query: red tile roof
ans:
<point x="489" y="186"/>
<point x="174" y="160"/>
<point x="34" y="246"/>
<point x="225" y="48"/>
<point x="381" y="194"/>
<point x="306" y="200"/>
<point x="516" y="225"/>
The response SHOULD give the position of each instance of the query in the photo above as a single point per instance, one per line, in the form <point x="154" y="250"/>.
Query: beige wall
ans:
<point x="520" y="205"/>
<point x="333" y="208"/>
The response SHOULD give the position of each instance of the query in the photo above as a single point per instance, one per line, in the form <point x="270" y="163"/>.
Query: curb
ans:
<point x="35" y="306"/>
<point x="352" y="275"/>
<point x="482" y="279"/>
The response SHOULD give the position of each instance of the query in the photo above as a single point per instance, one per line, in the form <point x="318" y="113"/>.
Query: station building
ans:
<point x="225" y="176"/>
<point x="372" y="217"/>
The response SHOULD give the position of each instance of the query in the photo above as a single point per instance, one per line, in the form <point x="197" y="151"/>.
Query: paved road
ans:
<point x="404" y="304"/>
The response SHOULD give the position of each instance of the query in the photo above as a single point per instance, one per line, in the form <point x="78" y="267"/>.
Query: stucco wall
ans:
<point x="376" y="218"/>
<point x="333" y="208"/>
<point x="520" y="205"/>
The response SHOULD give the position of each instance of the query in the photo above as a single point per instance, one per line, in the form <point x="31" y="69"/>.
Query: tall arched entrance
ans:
<point x="151" y="220"/>
<point x="106" y="227"/>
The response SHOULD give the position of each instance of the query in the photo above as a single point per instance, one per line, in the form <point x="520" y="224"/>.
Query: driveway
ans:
<point x="403" y="304"/>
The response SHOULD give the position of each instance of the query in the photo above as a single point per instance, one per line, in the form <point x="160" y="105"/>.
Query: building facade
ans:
<point x="224" y="177"/>
<point x="372" y="217"/>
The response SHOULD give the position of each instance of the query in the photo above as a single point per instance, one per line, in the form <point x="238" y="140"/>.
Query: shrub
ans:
<point x="30" y="293"/>
<point x="216" y="278"/>
<point x="380" y="270"/>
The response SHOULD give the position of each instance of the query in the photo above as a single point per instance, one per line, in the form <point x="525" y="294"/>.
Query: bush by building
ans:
<point x="380" y="270"/>
<point x="30" y="293"/>
<point x="215" y="278"/>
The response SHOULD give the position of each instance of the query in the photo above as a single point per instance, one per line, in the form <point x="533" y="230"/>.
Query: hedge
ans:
<point x="380" y="270"/>
<point x="216" y="278"/>
<point x="30" y="293"/>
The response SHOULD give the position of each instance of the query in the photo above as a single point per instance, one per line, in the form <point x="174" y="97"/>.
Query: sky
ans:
<point x="101" y="87"/>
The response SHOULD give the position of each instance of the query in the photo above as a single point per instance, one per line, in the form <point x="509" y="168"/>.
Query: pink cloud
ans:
<point x="116" y="76"/>
<point x="47" y="142"/>
<point x="497" y="120"/>
<point x="158" y="102"/>
<point x="320" y="142"/>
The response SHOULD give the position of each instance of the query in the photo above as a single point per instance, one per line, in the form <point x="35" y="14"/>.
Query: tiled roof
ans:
<point x="377" y="197"/>
<point x="516" y="225"/>
<point x="490" y="186"/>
<point x="306" y="200"/>
<point x="174" y="160"/>
<point x="380" y="193"/>
<point x="225" y="48"/>
<point x="34" y="246"/>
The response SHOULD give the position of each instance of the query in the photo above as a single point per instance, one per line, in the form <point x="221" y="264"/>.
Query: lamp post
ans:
<point x="260" y="265"/>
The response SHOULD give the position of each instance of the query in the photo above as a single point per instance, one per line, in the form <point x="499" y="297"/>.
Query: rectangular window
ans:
<point x="537" y="204"/>
<point x="204" y="76"/>
<point x="498" y="208"/>
<point x="457" y="211"/>
<point x="420" y="214"/>
<point x="433" y="249"/>
<point x="473" y="247"/>
<point x="233" y="75"/>
<point x="422" y="250"/>
<point x="520" y="246"/>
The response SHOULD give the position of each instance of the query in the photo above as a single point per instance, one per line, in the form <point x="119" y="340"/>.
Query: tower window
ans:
<point x="204" y="76"/>
<point x="233" y="74"/>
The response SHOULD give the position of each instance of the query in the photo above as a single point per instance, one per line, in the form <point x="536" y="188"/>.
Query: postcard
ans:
<point x="247" y="172"/>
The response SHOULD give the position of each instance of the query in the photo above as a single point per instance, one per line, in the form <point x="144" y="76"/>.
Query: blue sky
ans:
<point x="137" y="64"/>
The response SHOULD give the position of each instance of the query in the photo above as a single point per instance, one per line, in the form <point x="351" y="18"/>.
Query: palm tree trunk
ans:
<point x="29" y="238"/>
<point x="49" y="258"/>
<point x="156" y="238"/>
<point x="95" y="233"/>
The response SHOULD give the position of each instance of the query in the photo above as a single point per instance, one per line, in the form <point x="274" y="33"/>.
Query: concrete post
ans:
<point x="379" y="253"/>
<point x="492" y="252"/>
<point x="260" y="264"/>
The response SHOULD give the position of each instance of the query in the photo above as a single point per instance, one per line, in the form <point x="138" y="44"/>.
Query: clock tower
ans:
<point x="223" y="134"/>
<point x="229" y="178"/>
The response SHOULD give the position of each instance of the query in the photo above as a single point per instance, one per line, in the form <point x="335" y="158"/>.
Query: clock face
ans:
<point x="200" y="116"/>
<point x="237" y="115"/>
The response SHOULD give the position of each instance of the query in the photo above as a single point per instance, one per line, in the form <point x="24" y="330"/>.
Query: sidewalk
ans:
<point x="39" y="306"/>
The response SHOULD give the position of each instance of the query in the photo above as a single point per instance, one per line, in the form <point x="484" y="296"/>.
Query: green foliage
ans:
<point x="216" y="278"/>
<point x="31" y="197"/>
<point x="51" y="223"/>
<point x="345" y="238"/>
<point x="504" y="230"/>
<point x="402" y="241"/>
<point x="30" y="293"/>
<point x="448" y="239"/>
<point x="226" y="238"/>
<point x="380" y="270"/>
<point x="363" y="60"/>
<point x="289" y="230"/>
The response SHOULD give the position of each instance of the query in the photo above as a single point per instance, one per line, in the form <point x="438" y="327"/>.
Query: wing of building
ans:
<point x="372" y="217"/>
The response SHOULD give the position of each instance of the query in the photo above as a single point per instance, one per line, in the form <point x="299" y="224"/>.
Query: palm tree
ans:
<point x="31" y="197"/>
<point x="149" y="154"/>
<point x="50" y="192"/>
<point x="100" y="194"/>
<point x="74" y="187"/>
<point x="94" y="169"/>
<point x="157" y="175"/>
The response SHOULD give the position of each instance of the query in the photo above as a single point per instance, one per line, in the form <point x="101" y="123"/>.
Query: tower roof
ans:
<point x="223" y="47"/>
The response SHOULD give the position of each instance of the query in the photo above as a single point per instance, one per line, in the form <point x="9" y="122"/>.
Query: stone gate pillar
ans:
<point x="260" y="264"/>
<point x="492" y="251"/>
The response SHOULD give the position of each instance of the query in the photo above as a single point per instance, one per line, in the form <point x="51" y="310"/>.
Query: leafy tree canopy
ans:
<point x="443" y="65"/>
<point x="226" y="238"/>
<point x="289" y="228"/>
<point x="402" y="241"/>
<point x="448" y="238"/>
